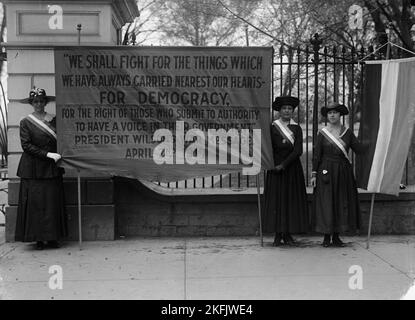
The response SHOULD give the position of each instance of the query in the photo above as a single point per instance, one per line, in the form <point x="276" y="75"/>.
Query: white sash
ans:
<point x="336" y="141"/>
<point x="285" y="131"/>
<point x="42" y="125"/>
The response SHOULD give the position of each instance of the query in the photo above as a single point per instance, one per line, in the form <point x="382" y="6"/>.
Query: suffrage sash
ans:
<point x="284" y="130"/>
<point x="339" y="143"/>
<point x="42" y="126"/>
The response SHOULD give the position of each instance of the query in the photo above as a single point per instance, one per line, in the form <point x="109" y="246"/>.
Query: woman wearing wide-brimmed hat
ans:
<point x="336" y="203"/>
<point x="41" y="211"/>
<point x="285" y="211"/>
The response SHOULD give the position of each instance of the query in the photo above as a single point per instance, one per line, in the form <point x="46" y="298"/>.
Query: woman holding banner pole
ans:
<point x="336" y="203"/>
<point x="41" y="210"/>
<point x="285" y="211"/>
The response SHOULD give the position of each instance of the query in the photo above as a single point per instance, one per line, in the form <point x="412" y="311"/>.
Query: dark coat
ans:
<point x="41" y="211"/>
<point x="284" y="152"/>
<point x="336" y="207"/>
<point x="285" y="208"/>
<point x="36" y="144"/>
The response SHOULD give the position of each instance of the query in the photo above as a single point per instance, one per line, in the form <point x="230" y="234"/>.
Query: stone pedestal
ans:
<point x="34" y="28"/>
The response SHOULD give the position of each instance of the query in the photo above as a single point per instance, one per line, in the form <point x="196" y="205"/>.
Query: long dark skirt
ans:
<point x="285" y="207"/>
<point x="336" y="202"/>
<point x="41" y="211"/>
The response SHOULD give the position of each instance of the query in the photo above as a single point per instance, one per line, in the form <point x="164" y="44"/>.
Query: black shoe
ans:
<point x="336" y="241"/>
<point x="291" y="238"/>
<point x="54" y="244"/>
<point x="40" y="245"/>
<point x="288" y="240"/>
<point x="277" y="240"/>
<point x="326" y="241"/>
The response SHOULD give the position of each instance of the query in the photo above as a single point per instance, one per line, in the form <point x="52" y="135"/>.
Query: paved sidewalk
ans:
<point x="210" y="268"/>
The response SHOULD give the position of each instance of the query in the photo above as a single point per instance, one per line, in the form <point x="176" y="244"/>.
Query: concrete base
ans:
<point x="390" y="217"/>
<point x="97" y="223"/>
<point x="98" y="209"/>
<point x="118" y="208"/>
<point x="11" y="214"/>
<point x="150" y="210"/>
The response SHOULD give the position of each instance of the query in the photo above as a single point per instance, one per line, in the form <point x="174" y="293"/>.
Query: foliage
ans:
<point x="204" y="22"/>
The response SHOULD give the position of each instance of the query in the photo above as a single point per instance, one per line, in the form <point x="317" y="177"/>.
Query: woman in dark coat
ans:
<point x="285" y="210"/>
<point x="41" y="210"/>
<point x="336" y="203"/>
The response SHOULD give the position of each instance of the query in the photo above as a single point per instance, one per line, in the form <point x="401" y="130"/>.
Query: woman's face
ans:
<point x="39" y="104"/>
<point x="286" y="112"/>
<point x="333" y="116"/>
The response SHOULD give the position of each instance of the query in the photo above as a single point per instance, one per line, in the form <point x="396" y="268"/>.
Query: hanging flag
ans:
<point x="387" y="121"/>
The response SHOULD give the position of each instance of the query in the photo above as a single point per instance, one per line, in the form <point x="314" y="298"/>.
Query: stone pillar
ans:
<point x="34" y="28"/>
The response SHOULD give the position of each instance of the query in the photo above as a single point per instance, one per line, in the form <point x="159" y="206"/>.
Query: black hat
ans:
<point x="335" y="106"/>
<point x="37" y="92"/>
<point x="285" y="101"/>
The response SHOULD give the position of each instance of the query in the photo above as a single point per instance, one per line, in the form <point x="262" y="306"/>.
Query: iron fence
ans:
<point x="317" y="75"/>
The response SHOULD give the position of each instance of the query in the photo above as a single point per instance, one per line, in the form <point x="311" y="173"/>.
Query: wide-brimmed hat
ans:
<point x="285" y="101"/>
<point x="37" y="92"/>
<point x="335" y="106"/>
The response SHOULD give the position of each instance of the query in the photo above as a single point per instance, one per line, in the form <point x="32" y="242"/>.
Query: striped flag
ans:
<point x="387" y="122"/>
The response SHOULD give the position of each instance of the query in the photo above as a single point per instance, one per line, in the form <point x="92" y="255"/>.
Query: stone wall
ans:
<point x="140" y="211"/>
<point x="98" y="209"/>
<point x="119" y="207"/>
<point x="410" y="168"/>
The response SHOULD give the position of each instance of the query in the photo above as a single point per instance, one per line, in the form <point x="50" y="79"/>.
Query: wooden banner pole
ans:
<point x="259" y="210"/>
<point x="79" y="211"/>
<point x="370" y="220"/>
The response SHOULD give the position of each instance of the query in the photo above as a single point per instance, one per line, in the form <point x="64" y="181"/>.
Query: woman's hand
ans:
<point x="313" y="182"/>
<point x="54" y="156"/>
<point x="279" y="168"/>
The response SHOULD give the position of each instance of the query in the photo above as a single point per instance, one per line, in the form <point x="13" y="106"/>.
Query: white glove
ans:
<point x="55" y="156"/>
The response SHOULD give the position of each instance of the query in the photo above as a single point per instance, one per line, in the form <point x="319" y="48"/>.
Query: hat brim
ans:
<point x="340" y="108"/>
<point x="285" y="101"/>
<point x="29" y="100"/>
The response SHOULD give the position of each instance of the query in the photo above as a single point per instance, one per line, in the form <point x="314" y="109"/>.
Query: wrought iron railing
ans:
<point x="318" y="76"/>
